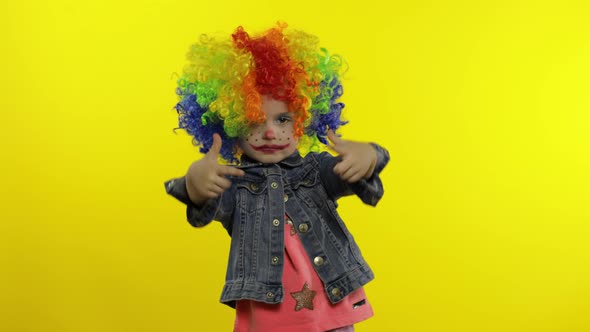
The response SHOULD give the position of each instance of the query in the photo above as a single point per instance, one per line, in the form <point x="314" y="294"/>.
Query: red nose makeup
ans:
<point x="269" y="134"/>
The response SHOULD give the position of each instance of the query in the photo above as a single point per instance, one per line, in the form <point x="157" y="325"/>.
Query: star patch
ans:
<point x="304" y="298"/>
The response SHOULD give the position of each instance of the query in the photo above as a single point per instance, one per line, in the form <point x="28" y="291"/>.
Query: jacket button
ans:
<point x="270" y="295"/>
<point x="303" y="229"/>
<point x="274" y="185"/>
<point x="276" y="222"/>
<point x="275" y="260"/>
<point x="336" y="291"/>
<point x="285" y="198"/>
<point x="318" y="261"/>
<point x="253" y="186"/>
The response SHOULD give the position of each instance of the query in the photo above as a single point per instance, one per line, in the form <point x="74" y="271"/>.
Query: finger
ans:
<point x="348" y="174"/>
<point x="342" y="167"/>
<point x="332" y="136"/>
<point x="216" y="147"/>
<point x="336" y="148"/>
<point x="216" y="189"/>
<point x="230" y="170"/>
<point x="337" y="169"/>
<point x="355" y="177"/>
<point x="210" y="194"/>
<point x="222" y="182"/>
<point x="336" y="141"/>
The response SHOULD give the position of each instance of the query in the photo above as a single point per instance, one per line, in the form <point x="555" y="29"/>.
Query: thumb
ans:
<point x="216" y="147"/>
<point x="336" y="141"/>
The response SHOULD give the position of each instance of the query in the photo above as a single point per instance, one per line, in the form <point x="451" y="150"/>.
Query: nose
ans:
<point x="268" y="134"/>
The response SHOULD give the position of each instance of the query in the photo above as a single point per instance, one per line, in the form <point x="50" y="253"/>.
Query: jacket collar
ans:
<point x="293" y="160"/>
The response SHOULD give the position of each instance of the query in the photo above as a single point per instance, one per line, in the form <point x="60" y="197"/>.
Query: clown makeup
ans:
<point x="271" y="141"/>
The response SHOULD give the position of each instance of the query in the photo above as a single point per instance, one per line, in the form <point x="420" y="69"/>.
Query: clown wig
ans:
<point x="220" y="90"/>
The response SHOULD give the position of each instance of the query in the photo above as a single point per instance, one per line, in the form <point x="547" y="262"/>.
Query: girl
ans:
<point x="293" y="265"/>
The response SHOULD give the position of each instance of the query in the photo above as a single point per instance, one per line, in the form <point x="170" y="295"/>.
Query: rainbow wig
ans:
<point x="220" y="89"/>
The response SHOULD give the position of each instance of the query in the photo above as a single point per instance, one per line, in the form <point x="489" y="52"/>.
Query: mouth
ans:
<point x="269" y="148"/>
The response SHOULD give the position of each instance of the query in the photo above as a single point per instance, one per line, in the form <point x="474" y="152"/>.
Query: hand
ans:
<point x="205" y="178"/>
<point x="358" y="159"/>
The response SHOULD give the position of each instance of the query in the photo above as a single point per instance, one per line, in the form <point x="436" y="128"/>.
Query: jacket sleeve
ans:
<point x="368" y="190"/>
<point x="199" y="216"/>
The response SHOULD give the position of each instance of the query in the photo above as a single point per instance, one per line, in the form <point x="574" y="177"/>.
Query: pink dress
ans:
<point x="305" y="306"/>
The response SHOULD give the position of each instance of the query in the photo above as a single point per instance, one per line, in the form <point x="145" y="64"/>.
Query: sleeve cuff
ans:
<point x="197" y="216"/>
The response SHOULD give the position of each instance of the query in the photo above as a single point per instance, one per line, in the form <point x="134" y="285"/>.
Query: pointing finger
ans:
<point x="229" y="170"/>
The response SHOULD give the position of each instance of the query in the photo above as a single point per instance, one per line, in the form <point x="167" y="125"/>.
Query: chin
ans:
<point x="270" y="159"/>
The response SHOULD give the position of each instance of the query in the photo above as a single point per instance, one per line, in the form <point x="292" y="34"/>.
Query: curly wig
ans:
<point x="221" y="87"/>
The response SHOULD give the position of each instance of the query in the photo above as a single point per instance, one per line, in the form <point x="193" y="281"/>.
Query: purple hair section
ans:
<point x="195" y="120"/>
<point x="320" y="123"/>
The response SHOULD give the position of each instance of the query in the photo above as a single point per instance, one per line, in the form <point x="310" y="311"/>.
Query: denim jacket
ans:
<point x="253" y="209"/>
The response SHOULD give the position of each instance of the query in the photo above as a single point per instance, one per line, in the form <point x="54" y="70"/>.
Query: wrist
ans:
<point x="193" y="194"/>
<point x="371" y="169"/>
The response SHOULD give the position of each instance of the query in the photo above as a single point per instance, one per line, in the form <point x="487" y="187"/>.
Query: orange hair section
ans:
<point x="275" y="74"/>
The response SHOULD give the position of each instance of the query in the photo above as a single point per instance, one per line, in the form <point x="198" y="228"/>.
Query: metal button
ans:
<point x="275" y="260"/>
<point x="276" y="222"/>
<point x="253" y="186"/>
<point x="336" y="291"/>
<point x="318" y="261"/>
<point x="274" y="185"/>
<point x="270" y="295"/>
<point x="303" y="228"/>
<point x="285" y="197"/>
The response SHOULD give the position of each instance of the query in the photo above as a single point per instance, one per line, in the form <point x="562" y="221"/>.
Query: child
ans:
<point x="293" y="265"/>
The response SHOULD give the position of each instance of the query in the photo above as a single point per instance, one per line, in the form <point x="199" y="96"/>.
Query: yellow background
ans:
<point x="484" y="107"/>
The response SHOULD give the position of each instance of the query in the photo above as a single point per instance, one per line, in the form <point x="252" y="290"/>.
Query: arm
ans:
<point x="203" y="214"/>
<point x="355" y="171"/>
<point x="203" y="188"/>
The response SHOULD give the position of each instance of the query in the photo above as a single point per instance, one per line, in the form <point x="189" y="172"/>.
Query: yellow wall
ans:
<point x="484" y="107"/>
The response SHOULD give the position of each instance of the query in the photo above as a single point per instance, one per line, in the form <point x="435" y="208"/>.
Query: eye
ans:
<point x="283" y="119"/>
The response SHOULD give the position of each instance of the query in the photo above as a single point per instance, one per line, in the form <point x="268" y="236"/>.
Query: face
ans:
<point x="272" y="140"/>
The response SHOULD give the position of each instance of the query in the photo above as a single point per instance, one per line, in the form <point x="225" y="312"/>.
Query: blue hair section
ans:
<point x="323" y="120"/>
<point x="201" y="124"/>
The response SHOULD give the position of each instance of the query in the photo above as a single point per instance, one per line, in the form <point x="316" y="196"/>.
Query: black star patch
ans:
<point x="304" y="298"/>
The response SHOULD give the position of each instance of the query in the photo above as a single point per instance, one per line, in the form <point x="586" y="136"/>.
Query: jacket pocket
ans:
<point x="309" y="181"/>
<point x="309" y="188"/>
<point x="252" y="195"/>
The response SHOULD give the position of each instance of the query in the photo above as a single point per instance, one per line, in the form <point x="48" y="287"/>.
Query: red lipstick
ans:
<point x="269" y="148"/>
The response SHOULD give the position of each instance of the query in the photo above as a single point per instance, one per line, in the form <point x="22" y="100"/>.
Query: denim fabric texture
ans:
<point x="253" y="209"/>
